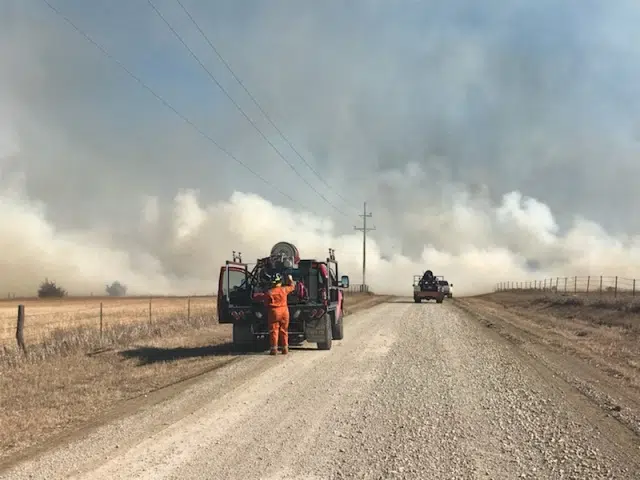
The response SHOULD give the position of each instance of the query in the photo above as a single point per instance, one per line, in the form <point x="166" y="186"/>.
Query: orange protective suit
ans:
<point x="278" y="316"/>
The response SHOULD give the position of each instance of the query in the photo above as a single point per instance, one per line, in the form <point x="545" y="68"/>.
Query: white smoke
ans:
<point x="183" y="247"/>
<point x="447" y="123"/>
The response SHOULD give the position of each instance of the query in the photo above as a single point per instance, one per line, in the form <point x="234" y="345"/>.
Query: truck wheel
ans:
<point x="417" y="300"/>
<point x="439" y="300"/>
<point x="328" y="337"/>
<point x="243" y="337"/>
<point x="337" y="329"/>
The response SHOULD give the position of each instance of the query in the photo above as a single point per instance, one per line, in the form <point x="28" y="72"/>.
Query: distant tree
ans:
<point x="49" y="289"/>
<point x="116" y="289"/>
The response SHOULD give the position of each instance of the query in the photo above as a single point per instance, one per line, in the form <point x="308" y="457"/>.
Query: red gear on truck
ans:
<point x="278" y="313"/>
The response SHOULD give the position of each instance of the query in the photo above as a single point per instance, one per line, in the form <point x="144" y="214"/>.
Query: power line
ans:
<point x="165" y="102"/>
<point x="212" y="76"/>
<point x="364" y="231"/>
<point x="252" y="97"/>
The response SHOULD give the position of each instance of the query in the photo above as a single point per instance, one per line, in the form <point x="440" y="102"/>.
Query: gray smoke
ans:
<point x="492" y="142"/>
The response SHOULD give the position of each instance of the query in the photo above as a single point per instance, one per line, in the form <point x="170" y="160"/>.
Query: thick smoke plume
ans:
<point x="492" y="142"/>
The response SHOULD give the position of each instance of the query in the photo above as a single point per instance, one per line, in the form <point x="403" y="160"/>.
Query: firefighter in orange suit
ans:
<point x="278" y="313"/>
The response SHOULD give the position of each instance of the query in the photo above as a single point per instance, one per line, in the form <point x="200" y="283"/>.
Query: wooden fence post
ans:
<point x="150" y="311"/>
<point x="575" y="284"/>
<point x="100" y="321"/>
<point x="565" y="284"/>
<point x="588" y="282"/>
<point x="20" y="329"/>
<point x="600" y="285"/>
<point x="634" y="288"/>
<point x="615" y="290"/>
<point x="188" y="309"/>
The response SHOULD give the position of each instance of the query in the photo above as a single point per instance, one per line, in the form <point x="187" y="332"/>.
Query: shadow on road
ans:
<point x="423" y="302"/>
<point x="150" y="355"/>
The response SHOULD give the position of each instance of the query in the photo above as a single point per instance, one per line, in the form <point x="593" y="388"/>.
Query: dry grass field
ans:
<point x="72" y="378"/>
<point x="603" y="330"/>
<point x="44" y="317"/>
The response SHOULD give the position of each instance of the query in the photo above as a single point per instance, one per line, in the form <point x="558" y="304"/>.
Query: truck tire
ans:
<point x="439" y="300"/>
<point x="417" y="300"/>
<point x="242" y="337"/>
<point x="328" y="336"/>
<point x="337" y="329"/>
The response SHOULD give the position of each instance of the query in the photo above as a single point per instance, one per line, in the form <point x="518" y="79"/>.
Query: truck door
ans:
<point x="237" y="275"/>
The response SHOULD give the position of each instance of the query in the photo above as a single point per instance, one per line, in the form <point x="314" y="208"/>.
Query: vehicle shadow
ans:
<point x="423" y="302"/>
<point x="151" y="355"/>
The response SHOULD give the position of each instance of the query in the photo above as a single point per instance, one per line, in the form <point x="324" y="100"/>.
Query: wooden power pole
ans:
<point x="364" y="229"/>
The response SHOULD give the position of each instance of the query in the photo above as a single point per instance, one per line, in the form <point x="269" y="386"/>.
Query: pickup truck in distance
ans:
<point x="426" y="287"/>
<point x="446" y="288"/>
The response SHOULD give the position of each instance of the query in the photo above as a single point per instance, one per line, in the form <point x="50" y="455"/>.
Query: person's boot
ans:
<point x="285" y="350"/>
<point x="273" y="351"/>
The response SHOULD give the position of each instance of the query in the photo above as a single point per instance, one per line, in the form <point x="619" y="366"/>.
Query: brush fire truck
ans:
<point x="427" y="287"/>
<point x="316" y="306"/>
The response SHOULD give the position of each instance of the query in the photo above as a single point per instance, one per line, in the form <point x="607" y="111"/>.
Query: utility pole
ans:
<point x="364" y="231"/>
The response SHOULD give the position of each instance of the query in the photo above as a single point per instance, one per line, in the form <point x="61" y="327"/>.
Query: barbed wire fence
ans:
<point x="586" y="285"/>
<point x="33" y="320"/>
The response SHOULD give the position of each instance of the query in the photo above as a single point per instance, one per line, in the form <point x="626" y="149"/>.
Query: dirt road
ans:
<point x="414" y="391"/>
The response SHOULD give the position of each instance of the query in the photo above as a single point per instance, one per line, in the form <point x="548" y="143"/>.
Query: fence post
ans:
<point x="557" y="279"/>
<point x="634" y="288"/>
<point x="565" y="284"/>
<point x="188" y="309"/>
<point x="588" y="282"/>
<point x="575" y="284"/>
<point x="100" y="321"/>
<point x="20" y="329"/>
<point x="615" y="290"/>
<point x="600" y="285"/>
<point x="150" y="310"/>
<point x="544" y="288"/>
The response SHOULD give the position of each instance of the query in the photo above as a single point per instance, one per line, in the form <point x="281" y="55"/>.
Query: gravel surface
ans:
<point x="416" y="391"/>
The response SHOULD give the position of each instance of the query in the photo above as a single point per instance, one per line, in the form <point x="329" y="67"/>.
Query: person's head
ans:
<point x="276" y="281"/>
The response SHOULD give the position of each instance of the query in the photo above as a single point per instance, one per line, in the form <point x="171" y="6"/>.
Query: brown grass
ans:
<point x="44" y="317"/>
<point x="58" y="386"/>
<point x="603" y="330"/>
<point x="606" y="310"/>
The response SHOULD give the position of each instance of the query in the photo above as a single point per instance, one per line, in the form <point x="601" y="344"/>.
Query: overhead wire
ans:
<point x="257" y="104"/>
<point x="165" y="102"/>
<point x="244" y="114"/>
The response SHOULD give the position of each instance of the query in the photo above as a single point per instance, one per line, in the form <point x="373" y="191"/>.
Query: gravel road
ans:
<point x="416" y="391"/>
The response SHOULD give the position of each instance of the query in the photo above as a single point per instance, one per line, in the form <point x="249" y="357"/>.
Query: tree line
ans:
<point x="49" y="289"/>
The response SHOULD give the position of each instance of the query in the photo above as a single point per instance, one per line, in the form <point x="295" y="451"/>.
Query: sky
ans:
<point x="492" y="141"/>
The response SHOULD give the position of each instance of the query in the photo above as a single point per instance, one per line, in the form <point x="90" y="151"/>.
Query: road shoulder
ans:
<point x="549" y="341"/>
